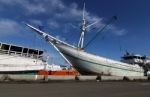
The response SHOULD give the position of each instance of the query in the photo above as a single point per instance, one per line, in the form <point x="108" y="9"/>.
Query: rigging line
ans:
<point x="100" y="31"/>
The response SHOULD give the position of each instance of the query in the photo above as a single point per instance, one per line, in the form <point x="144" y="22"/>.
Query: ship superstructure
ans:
<point x="135" y="59"/>
<point x="18" y="59"/>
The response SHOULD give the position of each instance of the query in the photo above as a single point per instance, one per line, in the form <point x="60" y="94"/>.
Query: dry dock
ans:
<point x="76" y="89"/>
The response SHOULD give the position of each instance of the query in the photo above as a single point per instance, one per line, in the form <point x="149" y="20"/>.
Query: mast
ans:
<point x="84" y="26"/>
<point x="83" y="30"/>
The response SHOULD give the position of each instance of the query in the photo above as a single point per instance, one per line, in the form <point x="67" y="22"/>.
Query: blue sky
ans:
<point x="61" y="18"/>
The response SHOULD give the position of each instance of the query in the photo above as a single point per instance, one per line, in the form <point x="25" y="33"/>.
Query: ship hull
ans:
<point x="17" y="64"/>
<point x="89" y="64"/>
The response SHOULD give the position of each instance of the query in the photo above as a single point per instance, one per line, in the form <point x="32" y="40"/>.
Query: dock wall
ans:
<point x="45" y="78"/>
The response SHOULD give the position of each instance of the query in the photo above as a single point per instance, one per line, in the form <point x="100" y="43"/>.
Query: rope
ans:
<point x="100" y="31"/>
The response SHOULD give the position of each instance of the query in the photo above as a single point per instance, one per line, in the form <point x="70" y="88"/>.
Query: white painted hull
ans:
<point x="9" y="63"/>
<point x="87" y="63"/>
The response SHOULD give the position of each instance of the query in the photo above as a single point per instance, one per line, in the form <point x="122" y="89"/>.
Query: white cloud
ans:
<point x="6" y="1"/>
<point x="120" y="32"/>
<point x="60" y="13"/>
<point x="30" y="7"/>
<point x="73" y="26"/>
<point x="53" y="24"/>
<point x="116" y="30"/>
<point x="61" y="38"/>
<point x="37" y="22"/>
<point x="9" y="27"/>
<point x="36" y="6"/>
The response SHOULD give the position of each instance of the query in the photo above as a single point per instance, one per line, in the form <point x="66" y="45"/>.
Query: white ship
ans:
<point x="87" y="63"/>
<point x="16" y="59"/>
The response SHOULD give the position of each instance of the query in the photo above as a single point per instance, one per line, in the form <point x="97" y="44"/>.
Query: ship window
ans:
<point x="15" y="48"/>
<point x="5" y="47"/>
<point x="25" y="50"/>
<point x="143" y="57"/>
<point x="133" y="57"/>
<point x="129" y="57"/>
<point x="40" y="52"/>
<point x="31" y="51"/>
<point x="137" y="57"/>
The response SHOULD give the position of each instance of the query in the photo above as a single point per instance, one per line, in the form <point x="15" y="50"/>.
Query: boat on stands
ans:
<point x="90" y="64"/>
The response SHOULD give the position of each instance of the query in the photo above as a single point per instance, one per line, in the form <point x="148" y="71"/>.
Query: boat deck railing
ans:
<point x="21" y="54"/>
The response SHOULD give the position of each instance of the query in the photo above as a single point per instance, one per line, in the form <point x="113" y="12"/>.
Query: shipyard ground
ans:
<point x="75" y="89"/>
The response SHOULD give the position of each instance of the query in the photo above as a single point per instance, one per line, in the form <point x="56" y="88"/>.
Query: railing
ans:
<point x="15" y="53"/>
